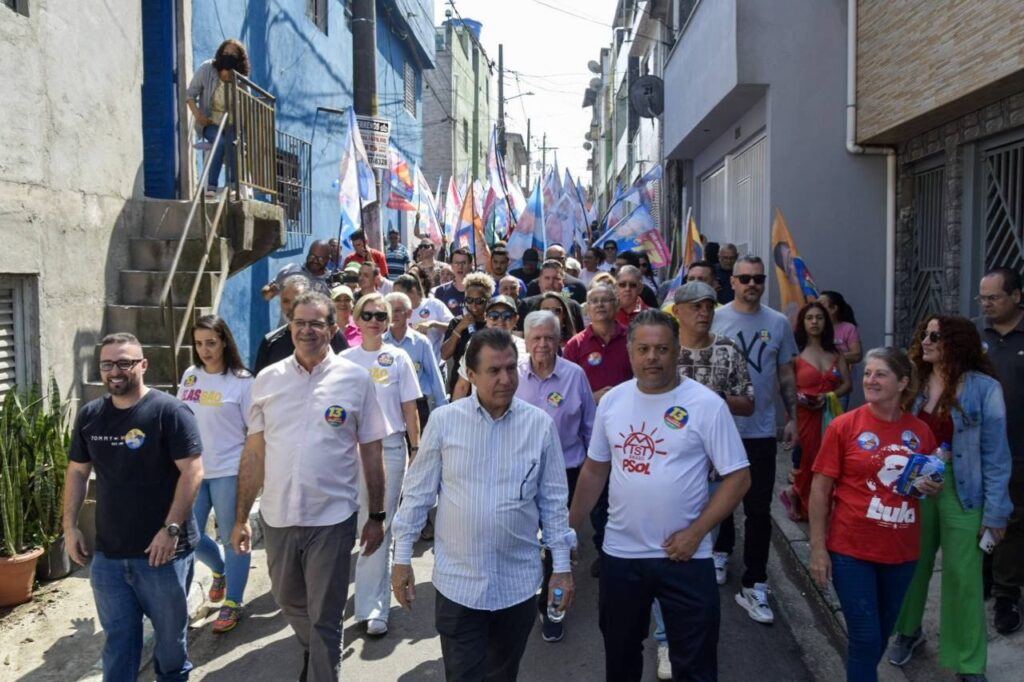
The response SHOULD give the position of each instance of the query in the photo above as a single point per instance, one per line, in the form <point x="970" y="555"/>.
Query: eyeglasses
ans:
<point x="476" y="301"/>
<point x="460" y="263"/>
<point x="747" y="279"/>
<point x="934" y="337"/>
<point x="315" y="325"/>
<point x="380" y="316"/>
<point x="123" y="365"/>
<point x="496" y="315"/>
<point x="695" y="278"/>
<point x="601" y="300"/>
<point x="629" y="285"/>
<point x="989" y="299"/>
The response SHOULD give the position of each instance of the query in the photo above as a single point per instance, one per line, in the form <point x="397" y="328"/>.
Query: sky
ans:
<point x="547" y="44"/>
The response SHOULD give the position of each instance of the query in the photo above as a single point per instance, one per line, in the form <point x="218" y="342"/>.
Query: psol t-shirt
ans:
<point x="866" y="456"/>
<point x="766" y="340"/>
<point x="220" y="403"/>
<point x="661" y="447"/>
<point x="133" y="452"/>
<point x="394" y="379"/>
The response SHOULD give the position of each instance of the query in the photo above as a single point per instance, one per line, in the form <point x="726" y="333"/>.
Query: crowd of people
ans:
<point x="498" y="412"/>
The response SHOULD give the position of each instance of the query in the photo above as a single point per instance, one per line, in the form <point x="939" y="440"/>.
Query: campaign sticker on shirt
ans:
<point x="385" y="359"/>
<point x="191" y="380"/>
<point x="765" y="335"/>
<point x="676" y="417"/>
<point x="335" y="416"/>
<point x="555" y="399"/>
<point x="868" y="441"/>
<point x="453" y="303"/>
<point x="134" y="439"/>
<point x="424" y="313"/>
<point x="595" y="359"/>
<point x="911" y="440"/>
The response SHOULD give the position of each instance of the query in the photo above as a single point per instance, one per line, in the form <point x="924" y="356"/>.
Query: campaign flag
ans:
<point x="657" y="249"/>
<point x="516" y="200"/>
<point x="401" y="183"/>
<point x="694" y="250"/>
<point x="529" y="229"/>
<point x="796" y="285"/>
<point x="642" y="191"/>
<point x="426" y="208"/>
<point x="356" y="183"/>
<point x="438" y="202"/>
<point x="452" y="209"/>
<point x="627" y="231"/>
<point x="465" y="227"/>
<point x="559" y="221"/>
<point x="552" y="188"/>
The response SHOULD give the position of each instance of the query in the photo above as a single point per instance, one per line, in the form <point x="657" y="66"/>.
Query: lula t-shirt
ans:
<point x="866" y="456"/>
<point x="766" y="341"/>
<point x="133" y="452"/>
<point x="220" y="403"/>
<point x="394" y="379"/>
<point x="661" y="447"/>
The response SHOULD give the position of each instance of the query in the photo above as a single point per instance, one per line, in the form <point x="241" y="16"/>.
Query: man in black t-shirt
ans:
<point x="144" y="447"/>
<point x="479" y="286"/>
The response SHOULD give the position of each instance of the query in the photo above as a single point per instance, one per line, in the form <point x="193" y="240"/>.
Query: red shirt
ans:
<point x="377" y="256"/>
<point x="866" y="455"/>
<point x="626" y="316"/>
<point x="604" y="364"/>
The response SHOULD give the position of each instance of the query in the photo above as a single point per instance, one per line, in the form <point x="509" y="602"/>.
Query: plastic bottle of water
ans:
<point x="555" y="611"/>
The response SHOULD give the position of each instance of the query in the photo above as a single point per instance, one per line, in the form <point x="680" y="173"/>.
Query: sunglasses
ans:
<point x="629" y="285"/>
<point x="380" y="316"/>
<point x="934" y="337"/>
<point x="747" y="279"/>
<point x="496" y="315"/>
<point x="123" y="365"/>
<point x="476" y="301"/>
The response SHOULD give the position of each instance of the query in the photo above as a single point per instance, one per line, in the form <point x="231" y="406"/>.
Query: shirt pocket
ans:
<point x="527" y="483"/>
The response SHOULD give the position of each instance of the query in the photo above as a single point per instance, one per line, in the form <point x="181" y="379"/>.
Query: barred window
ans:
<point x="16" y="360"/>
<point x="316" y="10"/>
<point x="410" y="89"/>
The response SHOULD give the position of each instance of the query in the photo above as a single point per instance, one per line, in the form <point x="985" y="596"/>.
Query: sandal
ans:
<point x="791" y="505"/>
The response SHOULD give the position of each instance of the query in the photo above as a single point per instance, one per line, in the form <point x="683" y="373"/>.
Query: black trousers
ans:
<point x="599" y="519"/>
<point x="571" y="476"/>
<point x="757" y="529"/>
<point x="688" y="595"/>
<point x="482" y="646"/>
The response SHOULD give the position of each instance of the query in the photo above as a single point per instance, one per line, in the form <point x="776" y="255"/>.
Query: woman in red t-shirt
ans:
<point x="865" y="536"/>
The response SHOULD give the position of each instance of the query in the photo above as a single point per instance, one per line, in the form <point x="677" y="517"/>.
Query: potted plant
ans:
<point x="49" y="439"/>
<point x="18" y="555"/>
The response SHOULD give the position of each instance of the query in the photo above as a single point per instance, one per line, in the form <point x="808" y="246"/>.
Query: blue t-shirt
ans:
<point x="766" y="341"/>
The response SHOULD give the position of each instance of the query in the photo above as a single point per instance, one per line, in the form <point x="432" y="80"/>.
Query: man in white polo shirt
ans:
<point x="657" y="436"/>
<point x="309" y="413"/>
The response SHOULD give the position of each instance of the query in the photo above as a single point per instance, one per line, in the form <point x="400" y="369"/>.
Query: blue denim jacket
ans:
<point x="980" y="449"/>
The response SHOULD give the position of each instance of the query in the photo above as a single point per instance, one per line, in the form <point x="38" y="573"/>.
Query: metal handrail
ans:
<point x="253" y="110"/>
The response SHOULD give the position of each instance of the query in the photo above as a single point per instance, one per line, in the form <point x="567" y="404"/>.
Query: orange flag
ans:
<point x="796" y="286"/>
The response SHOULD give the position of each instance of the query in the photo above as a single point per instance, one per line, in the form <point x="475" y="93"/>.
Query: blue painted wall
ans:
<point x="304" y="68"/>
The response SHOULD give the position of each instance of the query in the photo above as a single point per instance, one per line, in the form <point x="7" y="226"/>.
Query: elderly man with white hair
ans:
<point x="561" y="389"/>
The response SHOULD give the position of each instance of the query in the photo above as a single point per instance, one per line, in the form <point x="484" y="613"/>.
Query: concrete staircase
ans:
<point x="250" y="230"/>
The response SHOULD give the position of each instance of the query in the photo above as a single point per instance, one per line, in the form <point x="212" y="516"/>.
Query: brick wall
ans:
<point x="921" y="62"/>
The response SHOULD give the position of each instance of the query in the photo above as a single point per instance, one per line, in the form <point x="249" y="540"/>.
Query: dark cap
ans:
<point x="502" y="300"/>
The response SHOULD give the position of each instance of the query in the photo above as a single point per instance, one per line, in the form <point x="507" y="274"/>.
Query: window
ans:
<point x="316" y="10"/>
<point x="929" y="241"/>
<point x="465" y="135"/>
<point x="16" y="360"/>
<point x="410" y="89"/>
<point x="19" y="6"/>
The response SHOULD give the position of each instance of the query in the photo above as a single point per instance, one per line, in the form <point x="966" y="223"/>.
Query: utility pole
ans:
<point x="527" y="156"/>
<point x="364" y="88"/>
<point x="544" y="154"/>
<point x="501" y="100"/>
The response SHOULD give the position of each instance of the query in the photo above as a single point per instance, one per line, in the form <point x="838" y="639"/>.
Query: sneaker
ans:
<point x="902" y="648"/>
<point x="755" y="601"/>
<point x="376" y="627"/>
<point x="218" y="588"/>
<point x="721" y="560"/>
<point x="664" y="664"/>
<point x="1007" y="615"/>
<point x="549" y="631"/>
<point x="228" y="617"/>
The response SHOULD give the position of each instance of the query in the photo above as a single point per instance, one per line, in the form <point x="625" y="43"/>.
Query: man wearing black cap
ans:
<point x="531" y="266"/>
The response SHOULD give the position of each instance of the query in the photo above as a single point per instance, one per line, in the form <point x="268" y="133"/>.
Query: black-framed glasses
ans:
<point x="601" y="300"/>
<point x="496" y="315"/>
<point x="380" y="316"/>
<point x="934" y="337"/>
<point x="747" y="279"/>
<point x="316" y="325"/>
<point x="476" y="301"/>
<point x="125" y="365"/>
<point x="629" y="284"/>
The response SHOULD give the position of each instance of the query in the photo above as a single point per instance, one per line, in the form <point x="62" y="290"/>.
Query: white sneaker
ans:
<point x="755" y="601"/>
<point x="376" y="627"/>
<point x="721" y="560"/>
<point x="664" y="665"/>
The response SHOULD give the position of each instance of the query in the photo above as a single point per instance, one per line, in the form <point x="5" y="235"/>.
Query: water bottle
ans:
<point x="555" y="611"/>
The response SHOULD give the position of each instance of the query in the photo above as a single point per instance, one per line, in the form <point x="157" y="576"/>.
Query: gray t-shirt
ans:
<point x="766" y="341"/>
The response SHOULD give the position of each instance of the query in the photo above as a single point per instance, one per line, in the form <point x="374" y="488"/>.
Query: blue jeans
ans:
<point x="217" y="159"/>
<point x="125" y="590"/>
<point x="221" y="493"/>
<point x="871" y="595"/>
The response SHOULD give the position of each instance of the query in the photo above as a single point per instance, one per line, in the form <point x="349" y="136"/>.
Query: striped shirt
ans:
<point x="495" y="481"/>
<point x="421" y="351"/>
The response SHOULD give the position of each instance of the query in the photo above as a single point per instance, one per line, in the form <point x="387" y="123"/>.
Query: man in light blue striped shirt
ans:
<point x="496" y="467"/>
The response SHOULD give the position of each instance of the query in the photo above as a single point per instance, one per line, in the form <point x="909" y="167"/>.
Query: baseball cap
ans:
<point x="531" y="255"/>
<point x="354" y="267"/>
<point x="691" y="292"/>
<point x="339" y="290"/>
<point x="502" y="300"/>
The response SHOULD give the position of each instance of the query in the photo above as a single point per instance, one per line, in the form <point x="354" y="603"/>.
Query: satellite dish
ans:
<point x="595" y="83"/>
<point x="588" y="136"/>
<point x="588" y="146"/>
<point x="647" y="96"/>
<point x="594" y="66"/>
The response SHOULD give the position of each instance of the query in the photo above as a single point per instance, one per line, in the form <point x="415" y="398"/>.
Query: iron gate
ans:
<point x="1003" y="185"/>
<point x="929" y="242"/>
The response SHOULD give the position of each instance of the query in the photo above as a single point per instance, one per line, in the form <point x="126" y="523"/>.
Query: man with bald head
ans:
<point x="314" y="269"/>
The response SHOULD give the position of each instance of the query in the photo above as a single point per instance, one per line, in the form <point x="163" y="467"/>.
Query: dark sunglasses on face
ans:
<point x="380" y="316"/>
<point x="496" y="315"/>
<point x="123" y="365"/>
<point x="934" y="337"/>
<point x="476" y="301"/>
<point x="747" y="279"/>
<point x="629" y="285"/>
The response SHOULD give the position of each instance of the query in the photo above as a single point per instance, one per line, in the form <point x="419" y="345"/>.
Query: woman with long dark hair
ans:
<point x="844" y="324"/>
<point x="555" y="303"/>
<point x="217" y="389"/>
<point x="820" y="370"/>
<point x="962" y="403"/>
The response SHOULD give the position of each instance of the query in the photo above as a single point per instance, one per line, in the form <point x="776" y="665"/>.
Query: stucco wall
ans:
<point x="70" y="166"/>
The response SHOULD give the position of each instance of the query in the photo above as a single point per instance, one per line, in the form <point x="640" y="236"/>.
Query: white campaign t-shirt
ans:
<point x="220" y="403"/>
<point x="394" y="379"/>
<point x="661" y="447"/>
<point x="432" y="310"/>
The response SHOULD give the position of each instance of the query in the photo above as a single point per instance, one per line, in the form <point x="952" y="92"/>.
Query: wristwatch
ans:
<point x="173" y="529"/>
<point x="378" y="516"/>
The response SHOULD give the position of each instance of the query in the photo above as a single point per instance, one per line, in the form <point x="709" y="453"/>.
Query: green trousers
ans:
<point x="963" y="640"/>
